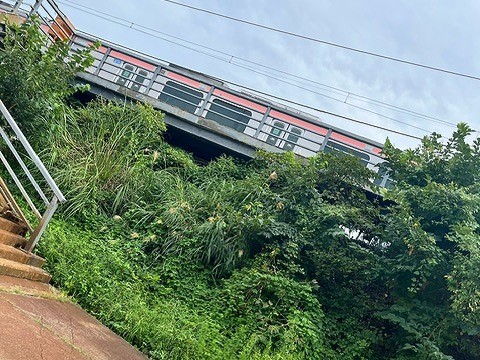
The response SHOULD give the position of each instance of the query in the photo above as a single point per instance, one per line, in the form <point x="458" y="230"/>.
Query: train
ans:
<point x="210" y="100"/>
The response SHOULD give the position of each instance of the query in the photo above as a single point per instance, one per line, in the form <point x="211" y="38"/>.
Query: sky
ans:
<point x="440" y="33"/>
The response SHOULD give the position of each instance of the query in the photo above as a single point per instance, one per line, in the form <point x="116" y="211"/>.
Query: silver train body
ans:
<point x="212" y="100"/>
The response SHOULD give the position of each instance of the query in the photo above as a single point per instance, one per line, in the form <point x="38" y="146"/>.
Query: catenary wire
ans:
<point x="354" y="96"/>
<point x="309" y="38"/>
<point x="335" y="99"/>
<point x="255" y="90"/>
<point x="233" y="58"/>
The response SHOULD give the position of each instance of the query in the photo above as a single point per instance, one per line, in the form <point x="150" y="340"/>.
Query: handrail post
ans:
<point x="206" y="101"/>
<point x="102" y="62"/>
<point x="42" y="225"/>
<point x="17" y="5"/>
<point x="327" y="137"/>
<point x="262" y="122"/>
<point x="35" y="8"/>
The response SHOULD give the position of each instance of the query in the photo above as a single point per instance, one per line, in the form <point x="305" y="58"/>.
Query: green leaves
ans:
<point x="36" y="76"/>
<point x="102" y="155"/>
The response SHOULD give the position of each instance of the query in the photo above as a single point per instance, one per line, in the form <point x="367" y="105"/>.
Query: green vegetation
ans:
<point x="275" y="258"/>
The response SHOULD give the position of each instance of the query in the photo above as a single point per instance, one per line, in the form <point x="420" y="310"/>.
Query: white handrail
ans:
<point x="33" y="155"/>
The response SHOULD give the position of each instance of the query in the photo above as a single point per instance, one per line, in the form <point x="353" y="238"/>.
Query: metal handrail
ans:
<point x="57" y="197"/>
<point x="21" y="137"/>
<point x="59" y="27"/>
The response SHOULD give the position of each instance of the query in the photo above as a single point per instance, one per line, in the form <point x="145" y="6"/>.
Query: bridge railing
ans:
<point x="47" y="191"/>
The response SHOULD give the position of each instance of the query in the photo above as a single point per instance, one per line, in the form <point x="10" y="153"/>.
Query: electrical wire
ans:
<point x="309" y="38"/>
<point x="233" y="58"/>
<point x="335" y="99"/>
<point x="130" y="25"/>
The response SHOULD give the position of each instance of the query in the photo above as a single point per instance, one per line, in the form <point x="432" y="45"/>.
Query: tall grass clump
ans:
<point x="103" y="154"/>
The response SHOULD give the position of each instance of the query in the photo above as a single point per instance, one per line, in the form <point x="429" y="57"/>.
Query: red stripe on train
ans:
<point x="303" y="124"/>
<point x="240" y="101"/>
<point x="132" y="60"/>
<point x="348" y="140"/>
<point x="187" y="81"/>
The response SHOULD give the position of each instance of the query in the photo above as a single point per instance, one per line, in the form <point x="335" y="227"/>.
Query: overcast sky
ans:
<point x="443" y="34"/>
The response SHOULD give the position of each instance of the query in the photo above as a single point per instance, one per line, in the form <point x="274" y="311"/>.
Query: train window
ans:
<point x="382" y="171"/>
<point x="180" y="96"/>
<point x="276" y="131"/>
<point x="125" y="74"/>
<point x="292" y="138"/>
<point x="139" y="79"/>
<point x="229" y="115"/>
<point x="335" y="147"/>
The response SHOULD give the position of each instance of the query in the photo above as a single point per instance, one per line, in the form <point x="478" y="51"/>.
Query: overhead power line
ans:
<point x="330" y="97"/>
<point x="130" y="25"/>
<point x="232" y="59"/>
<point x="328" y="112"/>
<point x="309" y="38"/>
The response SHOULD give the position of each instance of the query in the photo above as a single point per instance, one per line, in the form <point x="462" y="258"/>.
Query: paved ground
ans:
<point x="37" y="322"/>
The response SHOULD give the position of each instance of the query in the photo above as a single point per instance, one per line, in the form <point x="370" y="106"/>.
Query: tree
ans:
<point x="437" y="287"/>
<point x="36" y="75"/>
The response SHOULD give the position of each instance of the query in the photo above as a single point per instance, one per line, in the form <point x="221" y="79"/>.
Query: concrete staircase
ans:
<point x="14" y="261"/>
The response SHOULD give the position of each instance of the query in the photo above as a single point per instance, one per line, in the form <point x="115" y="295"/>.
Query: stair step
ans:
<point x="20" y="256"/>
<point x="12" y="227"/>
<point x="15" y="269"/>
<point x="8" y="238"/>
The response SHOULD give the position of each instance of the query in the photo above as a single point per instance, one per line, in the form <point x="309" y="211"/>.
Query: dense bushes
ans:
<point x="276" y="258"/>
<point x="292" y="266"/>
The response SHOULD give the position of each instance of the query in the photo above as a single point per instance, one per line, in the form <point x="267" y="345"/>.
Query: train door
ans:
<point x="276" y="133"/>
<point x="132" y="77"/>
<point x="125" y="74"/>
<point x="139" y="80"/>
<point x="292" y="138"/>
<point x="283" y="135"/>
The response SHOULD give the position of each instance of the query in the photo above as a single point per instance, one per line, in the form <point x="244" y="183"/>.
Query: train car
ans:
<point x="212" y="100"/>
<point x="209" y="99"/>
